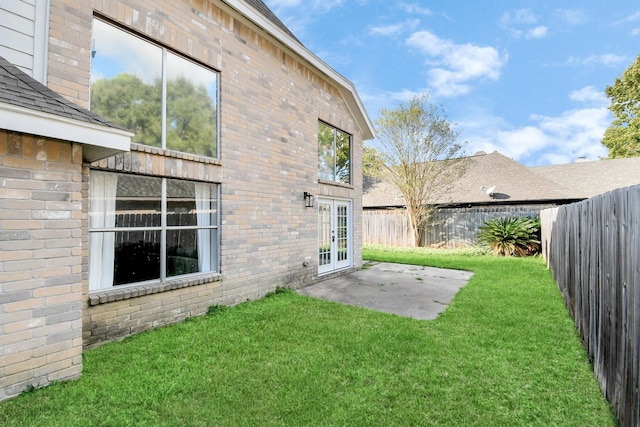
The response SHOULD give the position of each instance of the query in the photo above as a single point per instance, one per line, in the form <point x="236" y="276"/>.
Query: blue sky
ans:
<point x="525" y="78"/>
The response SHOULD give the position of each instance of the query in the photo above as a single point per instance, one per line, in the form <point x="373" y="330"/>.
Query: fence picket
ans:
<point x="593" y="251"/>
<point x="451" y="227"/>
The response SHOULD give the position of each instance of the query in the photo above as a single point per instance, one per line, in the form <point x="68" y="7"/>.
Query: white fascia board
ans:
<point x="107" y="140"/>
<point x="346" y="87"/>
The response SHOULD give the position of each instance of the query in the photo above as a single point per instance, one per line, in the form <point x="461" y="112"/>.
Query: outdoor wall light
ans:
<point x="308" y="200"/>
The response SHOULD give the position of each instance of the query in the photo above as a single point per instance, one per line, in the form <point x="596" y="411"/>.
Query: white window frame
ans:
<point x="335" y="154"/>
<point x="165" y="52"/>
<point x="97" y="253"/>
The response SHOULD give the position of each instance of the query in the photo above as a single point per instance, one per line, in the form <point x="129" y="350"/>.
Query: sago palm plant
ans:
<point x="511" y="236"/>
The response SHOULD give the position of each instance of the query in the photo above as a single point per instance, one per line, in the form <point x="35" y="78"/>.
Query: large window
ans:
<point x="167" y="100"/>
<point x="334" y="154"/>
<point x="144" y="228"/>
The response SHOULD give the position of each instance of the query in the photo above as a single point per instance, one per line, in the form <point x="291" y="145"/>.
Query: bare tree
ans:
<point x="421" y="156"/>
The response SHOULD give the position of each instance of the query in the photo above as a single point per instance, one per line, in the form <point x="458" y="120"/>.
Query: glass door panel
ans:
<point x="342" y="233"/>
<point x="334" y="235"/>
<point x="324" y="237"/>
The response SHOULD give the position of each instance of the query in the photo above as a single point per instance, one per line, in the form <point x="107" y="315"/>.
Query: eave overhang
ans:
<point x="98" y="141"/>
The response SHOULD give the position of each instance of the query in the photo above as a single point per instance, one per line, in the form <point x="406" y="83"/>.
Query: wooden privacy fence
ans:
<point x="449" y="228"/>
<point x="386" y="228"/>
<point x="593" y="250"/>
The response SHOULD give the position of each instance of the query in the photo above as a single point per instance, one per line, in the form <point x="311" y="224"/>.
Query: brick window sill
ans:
<point x="175" y="154"/>
<point x="128" y="292"/>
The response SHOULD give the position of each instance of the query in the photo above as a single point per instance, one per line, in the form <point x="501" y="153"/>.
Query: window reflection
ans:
<point x="334" y="154"/>
<point x="191" y="107"/>
<point x="326" y="153"/>
<point x="126" y="76"/>
<point x="127" y="88"/>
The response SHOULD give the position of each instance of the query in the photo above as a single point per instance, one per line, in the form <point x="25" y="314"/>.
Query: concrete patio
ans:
<point x="406" y="290"/>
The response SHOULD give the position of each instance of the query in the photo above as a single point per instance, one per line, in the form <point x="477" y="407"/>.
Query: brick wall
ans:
<point x="106" y="320"/>
<point x="40" y="262"/>
<point x="270" y="104"/>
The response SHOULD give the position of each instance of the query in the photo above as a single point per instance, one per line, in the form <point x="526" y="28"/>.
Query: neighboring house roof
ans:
<point x="590" y="178"/>
<point x="514" y="184"/>
<point x="28" y="106"/>
<point x="262" y="16"/>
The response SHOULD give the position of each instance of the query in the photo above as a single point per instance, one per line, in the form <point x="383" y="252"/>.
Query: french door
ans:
<point x="335" y="230"/>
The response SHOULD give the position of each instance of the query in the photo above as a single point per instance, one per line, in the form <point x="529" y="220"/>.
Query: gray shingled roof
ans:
<point x="19" y="89"/>
<point x="268" y="13"/>
<point x="590" y="178"/>
<point x="515" y="183"/>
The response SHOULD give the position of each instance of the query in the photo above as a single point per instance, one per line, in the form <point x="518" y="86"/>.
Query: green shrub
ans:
<point x="511" y="236"/>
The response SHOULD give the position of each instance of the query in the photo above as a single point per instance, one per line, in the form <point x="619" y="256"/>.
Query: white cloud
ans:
<point x="324" y="6"/>
<point x="377" y="100"/>
<point x="607" y="59"/>
<point x="543" y="140"/>
<point x="537" y="33"/>
<point x="393" y="29"/>
<point x="429" y="43"/>
<point x="546" y="139"/>
<point x="590" y="95"/>
<point x="632" y="18"/>
<point x="520" y="16"/>
<point x="298" y="14"/>
<point x="455" y="66"/>
<point x="571" y="16"/>
<point x="522" y="23"/>
<point x="387" y="30"/>
<point x="415" y="8"/>
<point x="517" y="144"/>
<point x="117" y="52"/>
<point x="577" y="133"/>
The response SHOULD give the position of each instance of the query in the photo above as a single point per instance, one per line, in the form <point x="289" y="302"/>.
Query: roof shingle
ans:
<point x="268" y="13"/>
<point x="19" y="89"/>
<point x="590" y="178"/>
<point x="515" y="183"/>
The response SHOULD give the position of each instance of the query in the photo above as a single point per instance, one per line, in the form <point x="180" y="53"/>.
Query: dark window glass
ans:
<point x="127" y="229"/>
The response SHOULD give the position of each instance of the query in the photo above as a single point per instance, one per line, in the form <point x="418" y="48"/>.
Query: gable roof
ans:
<point x="257" y="12"/>
<point x="268" y="13"/>
<point x="514" y="184"/>
<point x="28" y="106"/>
<point x="590" y="178"/>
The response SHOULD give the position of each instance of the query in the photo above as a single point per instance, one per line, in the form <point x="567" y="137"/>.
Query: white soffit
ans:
<point x="100" y="141"/>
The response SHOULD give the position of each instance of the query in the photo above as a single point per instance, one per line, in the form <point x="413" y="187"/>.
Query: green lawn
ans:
<point x="505" y="353"/>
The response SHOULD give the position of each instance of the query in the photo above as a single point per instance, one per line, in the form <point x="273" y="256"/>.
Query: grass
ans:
<point x="504" y="353"/>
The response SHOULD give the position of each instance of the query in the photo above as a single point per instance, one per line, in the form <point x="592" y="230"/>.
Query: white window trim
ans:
<point x="335" y="155"/>
<point x="163" y="74"/>
<point x="163" y="282"/>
